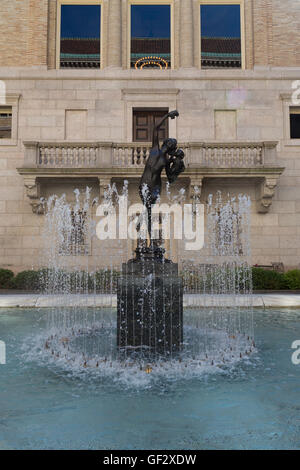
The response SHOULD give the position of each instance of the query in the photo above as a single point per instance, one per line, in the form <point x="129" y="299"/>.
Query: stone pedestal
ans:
<point x="150" y="305"/>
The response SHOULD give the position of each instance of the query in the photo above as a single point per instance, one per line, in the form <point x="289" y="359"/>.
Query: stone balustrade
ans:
<point x="106" y="161"/>
<point x="68" y="156"/>
<point x="232" y="155"/>
<point x="130" y="155"/>
<point x="134" y="155"/>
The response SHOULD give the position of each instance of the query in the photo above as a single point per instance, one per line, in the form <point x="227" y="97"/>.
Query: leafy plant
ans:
<point x="6" y="276"/>
<point x="105" y="281"/>
<point x="27" y="280"/>
<point x="292" y="279"/>
<point x="265" y="280"/>
<point x="197" y="280"/>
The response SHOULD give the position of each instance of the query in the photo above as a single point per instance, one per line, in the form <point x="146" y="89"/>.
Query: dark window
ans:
<point x="150" y="36"/>
<point x="5" y="122"/>
<point x="80" y="36"/>
<point x="220" y="36"/>
<point x="295" y="123"/>
<point x="143" y="123"/>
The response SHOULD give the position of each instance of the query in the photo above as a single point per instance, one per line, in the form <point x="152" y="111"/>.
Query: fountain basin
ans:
<point x="252" y="405"/>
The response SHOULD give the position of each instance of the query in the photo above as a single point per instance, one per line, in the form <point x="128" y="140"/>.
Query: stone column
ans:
<point x="269" y="153"/>
<point x="104" y="155"/>
<point x="186" y="34"/>
<point x="31" y="154"/>
<point x="114" y="43"/>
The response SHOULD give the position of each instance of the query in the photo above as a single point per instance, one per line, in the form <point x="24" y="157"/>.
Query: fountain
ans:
<point x="150" y="301"/>
<point x="142" y="325"/>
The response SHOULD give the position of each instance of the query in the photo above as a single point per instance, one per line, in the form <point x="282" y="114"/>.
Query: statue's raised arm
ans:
<point x="155" y="135"/>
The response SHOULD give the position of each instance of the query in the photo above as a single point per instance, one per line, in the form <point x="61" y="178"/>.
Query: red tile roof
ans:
<point x="80" y="46"/>
<point x="150" y="46"/>
<point x="221" y="45"/>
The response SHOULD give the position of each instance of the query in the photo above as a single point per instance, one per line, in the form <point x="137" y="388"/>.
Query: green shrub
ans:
<point x="216" y="279"/>
<point x="6" y="277"/>
<point x="27" y="280"/>
<point x="102" y="281"/>
<point x="264" y="280"/>
<point x="105" y="281"/>
<point x="60" y="281"/>
<point x="292" y="279"/>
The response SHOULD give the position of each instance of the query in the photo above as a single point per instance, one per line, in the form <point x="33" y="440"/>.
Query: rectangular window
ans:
<point x="150" y="36"/>
<point x="80" y="35"/>
<point x="221" y="42"/>
<point x="295" y="123"/>
<point x="5" y="122"/>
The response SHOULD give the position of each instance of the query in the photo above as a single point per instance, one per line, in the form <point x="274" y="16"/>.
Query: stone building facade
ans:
<point x="73" y="127"/>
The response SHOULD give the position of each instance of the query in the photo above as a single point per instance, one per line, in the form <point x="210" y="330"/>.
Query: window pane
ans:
<point x="80" y="36"/>
<point x="295" y="123"/>
<point x="220" y="36"/>
<point x="150" y="36"/>
<point x="5" y="122"/>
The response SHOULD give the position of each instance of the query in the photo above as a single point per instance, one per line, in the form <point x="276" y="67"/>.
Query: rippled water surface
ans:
<point x="252" y="405"/>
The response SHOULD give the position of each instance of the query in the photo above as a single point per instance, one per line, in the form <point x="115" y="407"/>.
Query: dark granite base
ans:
<point x="150" y="306"/>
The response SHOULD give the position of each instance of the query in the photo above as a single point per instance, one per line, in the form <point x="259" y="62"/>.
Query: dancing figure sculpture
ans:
<point x="167" y="157"/>
<point x="150" y="293"/>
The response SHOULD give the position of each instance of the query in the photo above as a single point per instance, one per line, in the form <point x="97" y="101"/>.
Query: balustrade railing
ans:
<point x="130" y="155"/>
<point x="68" y="156"/>
<point x="134" y="155"/>
<point x="232" y="155"/>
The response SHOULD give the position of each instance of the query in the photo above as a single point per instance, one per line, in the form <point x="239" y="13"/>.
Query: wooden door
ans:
<point x="144" y="121"/>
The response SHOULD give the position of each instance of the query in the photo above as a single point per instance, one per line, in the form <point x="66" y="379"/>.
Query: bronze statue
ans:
<point x="167" y="156"/>
<point x="150" y="292"/>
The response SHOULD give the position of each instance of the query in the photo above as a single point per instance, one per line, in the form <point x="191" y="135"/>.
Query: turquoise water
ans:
<point x="254" y="405"/>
